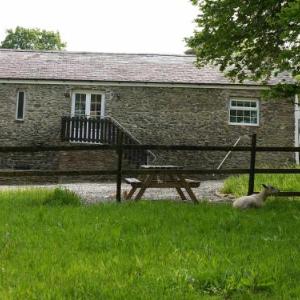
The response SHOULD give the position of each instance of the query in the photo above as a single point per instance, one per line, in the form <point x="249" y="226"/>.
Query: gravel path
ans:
<point x="100" y="192"/>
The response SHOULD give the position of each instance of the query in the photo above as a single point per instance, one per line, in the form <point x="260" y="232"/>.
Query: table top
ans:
<point x="161" y="167"/>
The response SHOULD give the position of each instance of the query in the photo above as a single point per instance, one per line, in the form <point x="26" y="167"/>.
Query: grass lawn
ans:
<point x="51" y="247"/>
<point x="238" y="185"/>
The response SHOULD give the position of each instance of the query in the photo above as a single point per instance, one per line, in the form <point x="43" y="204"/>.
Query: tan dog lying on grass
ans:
<point x="255" y="200"/>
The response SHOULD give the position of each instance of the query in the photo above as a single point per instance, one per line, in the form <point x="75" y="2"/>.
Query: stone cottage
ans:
<point x="154" y="99"/>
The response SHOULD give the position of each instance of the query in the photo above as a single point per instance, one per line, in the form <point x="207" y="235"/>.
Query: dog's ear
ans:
<point x="264" y="186"/>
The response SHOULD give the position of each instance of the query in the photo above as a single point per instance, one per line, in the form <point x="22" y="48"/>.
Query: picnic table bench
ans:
<point x="167" y="180"/>
<point x="160" y="184"/>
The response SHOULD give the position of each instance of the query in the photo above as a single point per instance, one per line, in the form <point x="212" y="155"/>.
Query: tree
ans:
<point x="189" y="52"/>
<point x="252" y="39"/>
<point x="32" y="39"/>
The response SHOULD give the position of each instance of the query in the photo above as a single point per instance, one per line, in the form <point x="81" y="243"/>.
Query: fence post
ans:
<point x="120" y="162"/>
<point x="252" y="166"/>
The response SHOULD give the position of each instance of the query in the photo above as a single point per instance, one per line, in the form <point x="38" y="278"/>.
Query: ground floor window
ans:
<point x="88" y="104"/>
<point x="244" y="112"/>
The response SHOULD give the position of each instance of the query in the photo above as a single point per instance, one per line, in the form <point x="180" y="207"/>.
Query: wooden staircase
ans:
<point x="104" y="130"/>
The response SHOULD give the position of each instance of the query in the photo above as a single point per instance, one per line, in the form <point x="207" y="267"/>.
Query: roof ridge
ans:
<point x="95" y="53"/>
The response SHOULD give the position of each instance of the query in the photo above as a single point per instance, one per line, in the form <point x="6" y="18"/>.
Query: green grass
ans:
<point x="238" y="185"/>
<point x="51" y="247"/>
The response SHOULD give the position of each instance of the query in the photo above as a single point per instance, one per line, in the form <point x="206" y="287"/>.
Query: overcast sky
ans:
<point x="132" y="26"/>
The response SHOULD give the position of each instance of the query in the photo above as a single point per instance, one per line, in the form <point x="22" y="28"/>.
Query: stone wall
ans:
<point x="153" y="115"/>
<point x="87" y="160"/>
<point x="200" y="116"/>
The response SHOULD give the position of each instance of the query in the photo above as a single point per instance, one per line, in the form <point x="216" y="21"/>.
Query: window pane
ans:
<point x="247" y="120"/>
<point x="233" y="112"/>
<point x="80" y="105"/>
<point x="232" y="119"/>
<point x="96" y="105"/>
<point x="240" y="113"/>
<point x="20" y="105"/>
<point x="240" y="103"/>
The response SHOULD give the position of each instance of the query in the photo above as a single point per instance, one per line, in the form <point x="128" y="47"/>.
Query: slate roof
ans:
<point x="110" y="67"/>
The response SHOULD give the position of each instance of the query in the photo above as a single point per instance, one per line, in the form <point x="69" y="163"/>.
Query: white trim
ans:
<point x="243" y="108"/>
<point x="297" y="117"/>
<point x="88" y="94"/>
<point x="17" y="105"/>
<point x="136" y="84"/>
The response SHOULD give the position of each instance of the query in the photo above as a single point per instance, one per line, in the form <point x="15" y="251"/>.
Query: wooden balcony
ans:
<point x="103" y="131"/>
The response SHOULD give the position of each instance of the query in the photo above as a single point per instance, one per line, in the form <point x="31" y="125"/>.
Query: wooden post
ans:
<point x="120" y="159"/>
<point x="252" y="166"/>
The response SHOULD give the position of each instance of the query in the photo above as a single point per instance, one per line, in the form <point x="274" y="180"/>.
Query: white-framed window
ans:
<point x="244" y="112"/>
<point x="20" y="107"/>
<point x="88" y="104"/>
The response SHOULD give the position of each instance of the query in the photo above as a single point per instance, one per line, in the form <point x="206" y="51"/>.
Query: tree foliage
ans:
<point x="189" y="52"/>
<point x="252" y="39"/>
<point x="32" y="39"/>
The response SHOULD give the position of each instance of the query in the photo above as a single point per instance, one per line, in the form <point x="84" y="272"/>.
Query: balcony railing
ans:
<point x="104" y="130"/>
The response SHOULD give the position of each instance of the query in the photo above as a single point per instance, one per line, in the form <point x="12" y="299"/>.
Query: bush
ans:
<point x="61" y="197"/>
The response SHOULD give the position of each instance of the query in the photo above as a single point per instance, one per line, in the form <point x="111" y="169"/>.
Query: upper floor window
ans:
<point x="85" y="104"/>
<point x="244" y="112"/>
<point x="20" y="111"/>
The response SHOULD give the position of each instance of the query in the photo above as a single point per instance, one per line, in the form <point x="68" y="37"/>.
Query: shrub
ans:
<point x="61" y="197"/>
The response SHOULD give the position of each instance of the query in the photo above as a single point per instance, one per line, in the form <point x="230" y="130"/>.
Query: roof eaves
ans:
<point x="134" y="83"/>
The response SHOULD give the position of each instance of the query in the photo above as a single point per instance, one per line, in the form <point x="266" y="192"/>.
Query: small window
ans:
<point x="20" y="106"/>
<point x="244" y="112"/>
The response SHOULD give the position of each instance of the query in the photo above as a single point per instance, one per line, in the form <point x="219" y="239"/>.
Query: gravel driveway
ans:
<point x="100" y="192"/>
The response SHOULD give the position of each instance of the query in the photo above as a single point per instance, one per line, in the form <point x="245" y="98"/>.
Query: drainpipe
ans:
<point x="297" y="116"/>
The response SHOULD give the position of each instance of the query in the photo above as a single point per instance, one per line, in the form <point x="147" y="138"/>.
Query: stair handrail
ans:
<point x="125" y="130"/>
<point x="228" y="153"/>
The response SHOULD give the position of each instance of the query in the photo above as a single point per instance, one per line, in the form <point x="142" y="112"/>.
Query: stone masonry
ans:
<point x="154" y="115"/>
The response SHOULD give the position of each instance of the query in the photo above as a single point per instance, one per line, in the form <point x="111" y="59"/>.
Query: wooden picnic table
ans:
<point x="166" y="180"/>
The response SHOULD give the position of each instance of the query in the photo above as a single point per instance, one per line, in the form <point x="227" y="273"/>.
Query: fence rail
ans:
<point x="77" y="147"/>
<point x="121" y="148"/>
<point x="30" y="173"/>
